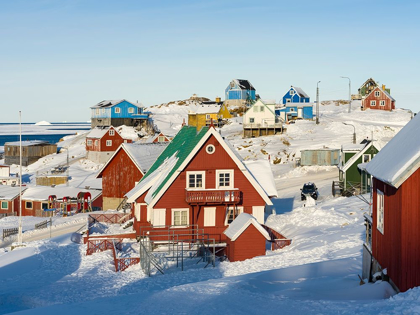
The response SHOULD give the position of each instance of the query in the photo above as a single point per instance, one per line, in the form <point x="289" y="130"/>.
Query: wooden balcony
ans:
<point x="205" y="197"/>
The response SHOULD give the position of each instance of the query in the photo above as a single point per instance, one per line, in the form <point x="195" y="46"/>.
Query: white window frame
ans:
<point x="131" y="110"/>
<point x="96" y="142"/>
<point x="89" y="142"/>
<point x="180" y="210"/>
<point x="380" y="211"/>
<point x="117" y="110"/>
<point x="210" y="149"/>
<point x="292" y="92"/>
<point x="251" y="120"/>
<point x="109" y="143"/>
<point x="187" y="184"/>
<point x="111" y="132"/>
<point x="161" y="139"/>
<point x="382" y="103"/>
<point x="377" y="93"/>
<point x="209" y="216"/>
<point x="372" y="103"/>
<point x="240" y="210"/>
<point x="231" y="181"/>
<point x="363" y="158"/>
<point x="32" y="205"/>
<point x="261" y="108"/>
<point x="7" y="205"/>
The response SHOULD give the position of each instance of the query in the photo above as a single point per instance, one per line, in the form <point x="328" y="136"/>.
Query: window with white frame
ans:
<point x="372" y="103"/>
<point x="131" y="110"/>
<point x="28" y="205"/>
<point x="180" y="217"/>
<point x="117" y="110"/>
<point x="382" y="103"/>
<point x="96" y="142"/>
<point x="380" y="211"/>
<point x="232" y="212"/>
<point x="377" y="93"/>
<point x="224" y="179"/>
<point x="108" y="143"/>
<point x="44" y="205"/>
<point x="4" y="205"/>
<point x="261" y="108"/>
<point x="196" y="180"/>
<point x="111" y="132"/>
<point x="292" y="92"/>
<point x="161" y="139"/>
<point x="89" y="142"/>
<point x="251" y="120"/>
<point x="210" y="149"/>
<point x="366" y="158"/>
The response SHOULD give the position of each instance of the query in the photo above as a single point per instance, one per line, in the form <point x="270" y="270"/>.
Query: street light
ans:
<point x="317" y="102"/>
<point x="354" y="132"/>
<point x="349" y="92"/>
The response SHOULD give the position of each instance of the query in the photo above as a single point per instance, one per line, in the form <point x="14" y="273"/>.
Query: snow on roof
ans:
<point x="145" y="154"/>
<point x="400" y="157"/>
<point x="300" y="92"/>
<point x="40" y="193"/>
<point x="355" y="157"/>
<point x="353" y="147"/>
<point x="97" y="133"/>
<point x="9" y="192"/>
<point x="111" y="103"/>
<point x="28" y="143"/>
<point x="267" y="102"/>
<point x="244" y="84"/>
<point x="261" y="170"/>
<point x="206" y="109"/>
<point x="240" y="224"/>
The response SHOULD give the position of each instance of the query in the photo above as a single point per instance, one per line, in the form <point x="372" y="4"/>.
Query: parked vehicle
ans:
<point x="309" y="189"/>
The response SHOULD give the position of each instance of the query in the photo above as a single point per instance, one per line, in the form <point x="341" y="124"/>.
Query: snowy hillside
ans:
<point x="316" y="274"/>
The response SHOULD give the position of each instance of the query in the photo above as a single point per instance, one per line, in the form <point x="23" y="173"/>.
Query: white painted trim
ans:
<point x="356" y="156"/>
<point x="187" y="180"/>
<point x="380" y="210"/>
<point x="173" y="210"/>
<point x="232" y="179"/>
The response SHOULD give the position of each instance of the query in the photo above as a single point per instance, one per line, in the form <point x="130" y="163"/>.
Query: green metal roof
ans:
<point x="181" y="146"/>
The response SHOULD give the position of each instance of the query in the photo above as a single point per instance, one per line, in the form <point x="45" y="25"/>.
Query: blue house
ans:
<point x="240" y="92"/>
<point x="295" y="95"/>
<point x="119" y="112"/>
<point x="294" y="111"/>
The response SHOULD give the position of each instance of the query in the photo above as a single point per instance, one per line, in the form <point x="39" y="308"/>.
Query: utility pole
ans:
<point x="20" y="180"/>
<point x="349" y="92"/>
<point x="317" y="103"/>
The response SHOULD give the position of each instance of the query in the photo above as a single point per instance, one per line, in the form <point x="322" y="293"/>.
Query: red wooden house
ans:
<point x="378" y="99"/>
<point x="101" y="143"/>
<point x="393" y="234"/>
<point x="246" y="238"/>
<point x="198" y="181"/>
<point x="9" y="200"/>
<point x="159" y="137"/>
<point x="125" y="169"/>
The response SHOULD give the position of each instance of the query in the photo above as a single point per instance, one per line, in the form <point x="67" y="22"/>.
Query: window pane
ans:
<point x="199" y="182"/>
<point x="191" y="181"/>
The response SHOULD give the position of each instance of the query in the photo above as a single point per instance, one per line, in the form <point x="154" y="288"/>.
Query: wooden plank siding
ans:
<point x="175" y="196"/>
<point x="100" y="144"/>
<point x="398" y="248"/>
<point x="389" y="104"/>
<point x="249" y="244"/>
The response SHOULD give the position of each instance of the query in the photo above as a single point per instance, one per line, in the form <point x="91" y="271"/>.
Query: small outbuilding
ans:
<point x="31" y="151"/>
<point x="246" y="238"/>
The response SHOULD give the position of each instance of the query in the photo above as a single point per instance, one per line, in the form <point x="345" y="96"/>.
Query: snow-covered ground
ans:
<point x="316" y="274"/>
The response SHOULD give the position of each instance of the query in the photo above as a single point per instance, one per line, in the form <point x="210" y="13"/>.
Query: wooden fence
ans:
<point x="278" y="241"/>
<point x="41" y="225"/>
<point x="8" y="232"/>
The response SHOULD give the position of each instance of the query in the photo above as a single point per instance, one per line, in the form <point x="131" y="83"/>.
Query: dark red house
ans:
<point x="393" y="234"/>
<point x="101" y="143"/>
<point x="125" y="169"/>
<point x="198" y="181"/>
<point x="9" y="200"/>
<point x="378" y="99"/>
<point x="246" y="238"/>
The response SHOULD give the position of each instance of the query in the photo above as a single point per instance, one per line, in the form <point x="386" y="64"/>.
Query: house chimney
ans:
<point x="218" y="99"/>
<point x="383" y="87"/>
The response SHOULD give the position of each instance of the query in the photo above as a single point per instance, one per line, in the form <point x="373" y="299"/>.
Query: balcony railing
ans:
<point x="213" y="197"/>
<point x="265" y="125"/>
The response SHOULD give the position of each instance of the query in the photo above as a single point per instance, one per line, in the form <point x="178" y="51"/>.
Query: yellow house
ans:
<point x="203" y="114"/>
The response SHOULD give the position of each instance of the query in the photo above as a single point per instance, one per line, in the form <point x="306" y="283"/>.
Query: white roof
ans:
<point x="261" y="170"/>
<point x="111" y="103"/>
<point x="39" y="193"/>
<point x="241" y="223"/>
<point x="353" y="147"/>
<point x="144" y="154"/>
<point x="400" y="158"/>
<point x="206" y="109"/>
<point x="9" y="192"/>
<point x="300" y="92"/>
<point x="97" y="133"/>
<point x="28" y="143"/>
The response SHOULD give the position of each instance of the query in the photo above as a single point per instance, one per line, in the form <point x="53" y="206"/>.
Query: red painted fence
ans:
<point x="278" y="241"/>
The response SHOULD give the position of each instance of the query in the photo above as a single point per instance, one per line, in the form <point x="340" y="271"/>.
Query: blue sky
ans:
<point x="58" y="58"/>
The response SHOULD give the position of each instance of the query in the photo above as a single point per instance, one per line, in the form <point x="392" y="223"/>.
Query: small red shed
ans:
<point x="378" y="99"/>
<point x="246" y="238"/>
<point x="393" y="234"/>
